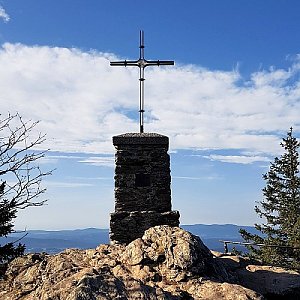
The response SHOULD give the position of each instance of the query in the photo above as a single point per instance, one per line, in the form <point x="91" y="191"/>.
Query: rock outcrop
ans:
<point x="272" y="282"/>
<point x="166" y="263"/>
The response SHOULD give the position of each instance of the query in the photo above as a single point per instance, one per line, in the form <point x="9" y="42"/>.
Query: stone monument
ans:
<point x="142" y="174"/>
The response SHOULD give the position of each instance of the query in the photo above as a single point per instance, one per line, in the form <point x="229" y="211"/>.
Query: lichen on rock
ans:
<point x="166" y="263"/>
<point x="172" y="253"/>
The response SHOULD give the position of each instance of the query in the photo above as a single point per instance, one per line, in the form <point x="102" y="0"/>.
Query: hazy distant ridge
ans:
<point x="56" y="241"/>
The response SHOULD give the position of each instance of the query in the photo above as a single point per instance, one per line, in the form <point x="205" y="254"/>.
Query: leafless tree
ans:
<point x="20" y="177"/>
<point x="19" y="158"/>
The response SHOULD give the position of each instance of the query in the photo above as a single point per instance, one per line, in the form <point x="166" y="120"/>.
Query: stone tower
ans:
<point x="142" y="186"/>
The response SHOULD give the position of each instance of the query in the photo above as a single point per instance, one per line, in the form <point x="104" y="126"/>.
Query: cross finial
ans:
<point x="142" y="63"/>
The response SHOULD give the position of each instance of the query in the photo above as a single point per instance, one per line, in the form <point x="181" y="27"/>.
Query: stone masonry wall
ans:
<point x="142" y="185"/>
<point x="128" y="226"/>
<point x="149" y="162"/>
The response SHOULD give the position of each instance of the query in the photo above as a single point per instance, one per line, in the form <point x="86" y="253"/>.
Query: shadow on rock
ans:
<point x="166" y="263"/>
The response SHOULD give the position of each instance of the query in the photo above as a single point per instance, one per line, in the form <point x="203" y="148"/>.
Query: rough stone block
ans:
<point x="128" y="226"/>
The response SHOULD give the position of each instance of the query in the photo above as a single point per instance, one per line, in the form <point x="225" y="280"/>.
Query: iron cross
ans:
<point x="142" y="63"/>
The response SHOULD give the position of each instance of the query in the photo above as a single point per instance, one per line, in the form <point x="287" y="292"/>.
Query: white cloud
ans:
<point x="82" y="102"/>
<point x="54" y="159"/>
<point x="57" y="157"/>
<point x="239" y="159"/>
<point x="48" y="160"/>
<point x="59" y="184"/>
<point x="104" y="161"/>
<point x="3" y="15"/>
<point x="91" y="178"/>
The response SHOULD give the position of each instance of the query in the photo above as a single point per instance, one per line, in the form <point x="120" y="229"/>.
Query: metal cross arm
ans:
<point x="159" y="63"/>
<point x="142" y="63"/>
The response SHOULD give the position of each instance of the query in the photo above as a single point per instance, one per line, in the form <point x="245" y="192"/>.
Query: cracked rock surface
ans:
<point x="166" y="263"/>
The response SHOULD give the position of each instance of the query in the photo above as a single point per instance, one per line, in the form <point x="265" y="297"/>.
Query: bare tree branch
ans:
<point x="19" y="161"/>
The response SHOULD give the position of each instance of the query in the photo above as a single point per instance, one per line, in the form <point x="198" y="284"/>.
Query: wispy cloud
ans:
<point x="3" y="15"/>
<point x="91" y="178"/>
<point x="58" y="184"/>
<point x="48" y="160"/>
<point x="104" y="161"/>
<point x="56" y="157"/>
<point x="239" y="159"/>
<point x="82" y="102"/>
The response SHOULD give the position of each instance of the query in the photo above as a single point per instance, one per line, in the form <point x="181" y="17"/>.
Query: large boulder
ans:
<point x="171" y="254"/>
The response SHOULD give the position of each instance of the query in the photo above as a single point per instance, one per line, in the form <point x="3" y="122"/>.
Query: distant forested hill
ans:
<point x="212" y="234"/>
<point x="56" y="241"/>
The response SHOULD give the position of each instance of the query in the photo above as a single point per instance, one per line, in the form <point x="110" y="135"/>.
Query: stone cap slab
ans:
<point x="140" y="139"/>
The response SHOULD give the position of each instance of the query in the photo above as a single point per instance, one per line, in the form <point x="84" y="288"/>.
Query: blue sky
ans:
<point x="232" y="95"/>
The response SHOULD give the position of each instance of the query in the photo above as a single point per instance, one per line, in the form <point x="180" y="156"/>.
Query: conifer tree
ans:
<point x="7" y="214"/>
<point x="280" y="210"/>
